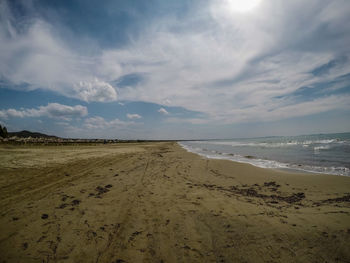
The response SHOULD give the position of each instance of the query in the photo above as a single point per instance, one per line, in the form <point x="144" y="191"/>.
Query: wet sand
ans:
<point x="155" y="202"/>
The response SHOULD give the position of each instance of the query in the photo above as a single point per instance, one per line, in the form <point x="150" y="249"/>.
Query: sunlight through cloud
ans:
<point x="242" y="6"/>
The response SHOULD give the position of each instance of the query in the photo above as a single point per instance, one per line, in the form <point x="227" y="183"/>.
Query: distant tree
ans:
<point x="3" y="132"/>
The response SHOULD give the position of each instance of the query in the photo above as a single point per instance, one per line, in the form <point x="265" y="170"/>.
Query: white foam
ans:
<point x="273" y="144"/>
<point x="323" y="147"/>
<point x="262" y="163"/>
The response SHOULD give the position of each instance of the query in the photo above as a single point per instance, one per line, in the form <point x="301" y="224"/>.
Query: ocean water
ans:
<point x="319" y="153"/>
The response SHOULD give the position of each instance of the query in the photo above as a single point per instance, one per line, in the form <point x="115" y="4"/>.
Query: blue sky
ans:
<point x="175" y="69"/>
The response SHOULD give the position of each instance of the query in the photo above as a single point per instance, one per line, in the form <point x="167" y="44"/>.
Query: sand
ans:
<point x="155" y="202"/>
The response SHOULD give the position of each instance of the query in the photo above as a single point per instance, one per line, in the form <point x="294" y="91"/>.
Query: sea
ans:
<point x="317" y="153"/>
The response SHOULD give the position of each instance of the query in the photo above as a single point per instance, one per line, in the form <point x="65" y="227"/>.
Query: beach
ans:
<point x="156" y="202"/>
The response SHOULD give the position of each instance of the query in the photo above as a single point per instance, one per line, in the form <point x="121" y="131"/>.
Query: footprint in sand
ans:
<point x="44" y="216"/>
<point x="25" y="246"/>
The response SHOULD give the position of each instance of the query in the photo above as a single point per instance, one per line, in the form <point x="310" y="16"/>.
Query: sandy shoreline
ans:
<point x="156" y="202"/>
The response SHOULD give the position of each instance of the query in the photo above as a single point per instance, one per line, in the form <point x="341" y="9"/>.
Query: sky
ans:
<point x="157" y="69"/>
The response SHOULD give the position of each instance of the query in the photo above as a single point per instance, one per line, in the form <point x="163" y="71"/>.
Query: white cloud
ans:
<point x="229" y="66"/>
<point x="187" y="120"/>
<point x="239" y="61"/>
<point x="133" y="116"/>
<point x="37" y="57"/>
<point x="310" y="107"/>
<point x="283" y="110"/>
<point x="167" y="102"/>
<point x="100" y="123"/>
<point x="52" y="110"/>
<point x="95" y="90"/>
<point x="3" y="115"/>
<point x="163" y="111"/>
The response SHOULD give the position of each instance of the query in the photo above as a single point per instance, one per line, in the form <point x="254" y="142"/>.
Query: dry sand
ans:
<point x="155" y="202"/>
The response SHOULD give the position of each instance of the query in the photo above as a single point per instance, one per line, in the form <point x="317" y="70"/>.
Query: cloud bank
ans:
<point x="230" y="66"/>
<point x="52" y="110"/>
<point x="34" y="56"/>
<point x="100" y="123"/>
<point x="133" y="116"/>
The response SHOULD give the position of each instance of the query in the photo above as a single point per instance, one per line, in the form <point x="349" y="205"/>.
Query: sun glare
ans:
<point x="242" y="5"/>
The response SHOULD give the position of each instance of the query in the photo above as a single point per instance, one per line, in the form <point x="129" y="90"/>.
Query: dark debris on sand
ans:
<point x="345" y="198"/>
<point x="101" y="190"/>
<point x="76" y="202"/>
<point x="251" y="192"/>
<point x="295" y="197"/>
<point x="273" y="184"/>
<point x="44" y="216"/>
